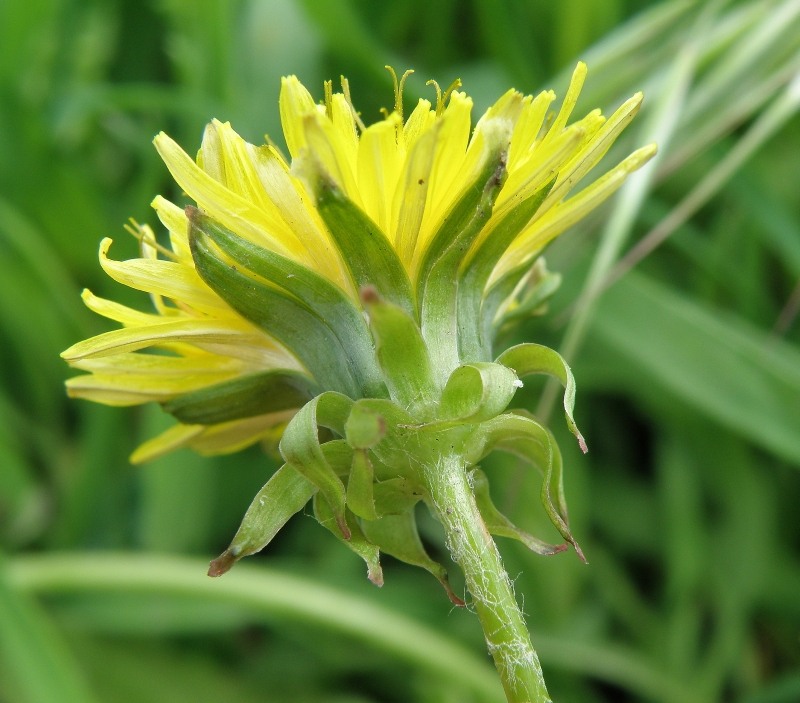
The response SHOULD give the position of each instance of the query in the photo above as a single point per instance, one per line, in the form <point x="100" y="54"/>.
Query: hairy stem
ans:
<point x="473" y="549"/>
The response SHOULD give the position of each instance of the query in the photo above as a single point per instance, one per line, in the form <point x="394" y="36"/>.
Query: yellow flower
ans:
<point x="422" y="209"/>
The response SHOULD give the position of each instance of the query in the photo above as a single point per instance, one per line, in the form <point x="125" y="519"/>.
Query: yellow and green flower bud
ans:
<point x="348" y="300"/>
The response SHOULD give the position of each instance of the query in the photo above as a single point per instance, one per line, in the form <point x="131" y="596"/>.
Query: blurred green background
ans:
<point x="688" y="365"/>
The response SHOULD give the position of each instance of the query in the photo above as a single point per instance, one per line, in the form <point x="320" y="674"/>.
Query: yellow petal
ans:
<point x="295" y="103"/>
<point x="327" y="152"/>
<point x="523" y="182"/>
<point x="408" y="206"/>
<point x="228" y="437"/>
<point x="237" y="170"/>
<point x="528" y="126"/>
<point x="118" y="312"/>
<point x="596" y="147"/>
<point x="296" y="209"/>
<point x="418" y="123"/>
<point x="174" y="438"/>
<point x="571" y="211"/>
<point x="224" y="438"/>
<point x="380" y="160"/>
<point x="167" y="278"/>
<point x="447" y="176"/>
<point x="197" y="364"/>
<point x="174" y="219"/>
<point x="344" y="135"/>
<point x="228" y="208"/>
<point x="126" y="383"/>
<point x="571" y="98"/>
<point x="213" y="335"/>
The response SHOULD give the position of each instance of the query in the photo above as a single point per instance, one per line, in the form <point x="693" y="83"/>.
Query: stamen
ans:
<point x="455" y="85"/>
<point x="439" y="103"/>
<point x="141" y="234"/>
<point x="356" y="115"/>
<point x="442" y="98"/>
<point x="398" y="89"/>
<point x="272" y="144"/>
<point x="328" y="99"/>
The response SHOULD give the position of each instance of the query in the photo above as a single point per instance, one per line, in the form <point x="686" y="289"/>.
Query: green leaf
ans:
<point x="399" y="445"/>
<point x="401" y="352"/>
<point x="499" y="525"/>
<point x="279" y="314"/>
<point x="465" y="220"/>
<point x="719" y="365"/>
<point x="477" y="392"/>
<point x="327" y="300"/>
<point x="483" y="323"/>
<point x="281" y="497"/>
<point x="264" y="595"/>
<point x="437" y="283"/>
<point x="397" y="536"/>
<point x="528" y="359"/>
<point x="530" y="296"/>
<point x="525" y="437"/>
<point x="355" y="541"/>
<point x="365" y="249"/>
<point x="395" y="495"/>
<point x="42" y="668"/>
<point x="365" y="425"/>
<point x="360" y="498"/>
<point x="475" y="318"/>
<point x="255" y="394"/>
<point x="300" y="447"/>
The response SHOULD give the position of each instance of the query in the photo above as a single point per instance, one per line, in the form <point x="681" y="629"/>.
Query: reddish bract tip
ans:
<point x="579" y="552"/>
<point x="557" y="549"/>
<point x="375" y="575"/>
<point x="369" y="295"/>
<point x="454" y="599"/>
<point x="222" y="564"/>
<point x="343" y="527"/>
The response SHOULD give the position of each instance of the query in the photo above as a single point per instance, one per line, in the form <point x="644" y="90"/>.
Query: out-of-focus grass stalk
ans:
<point x="777" y="115"/>
<point x="273" y="594"/>
<point x="683" y="110"/>
<point x="39" y="664"/>
<point x="31" y="248"/>
<point x="268" y="592"/>
<point x="658" y="128"/>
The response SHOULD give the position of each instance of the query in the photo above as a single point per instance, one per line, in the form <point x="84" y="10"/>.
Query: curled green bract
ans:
<point x="368" y="477"/>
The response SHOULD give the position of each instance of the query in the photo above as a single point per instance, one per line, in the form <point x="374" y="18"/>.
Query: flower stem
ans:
<point x="474" y="550"/>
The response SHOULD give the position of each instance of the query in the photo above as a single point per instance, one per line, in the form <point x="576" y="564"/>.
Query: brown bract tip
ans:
<point x="222" y="564"/>
<point x="557" y="549"/>
<point x="454" y="599"/>
<point x="375" y="575"/>
<point x="191" y="212"/>
<point x="579" y="551"/>
<point x="369" y="295"/>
